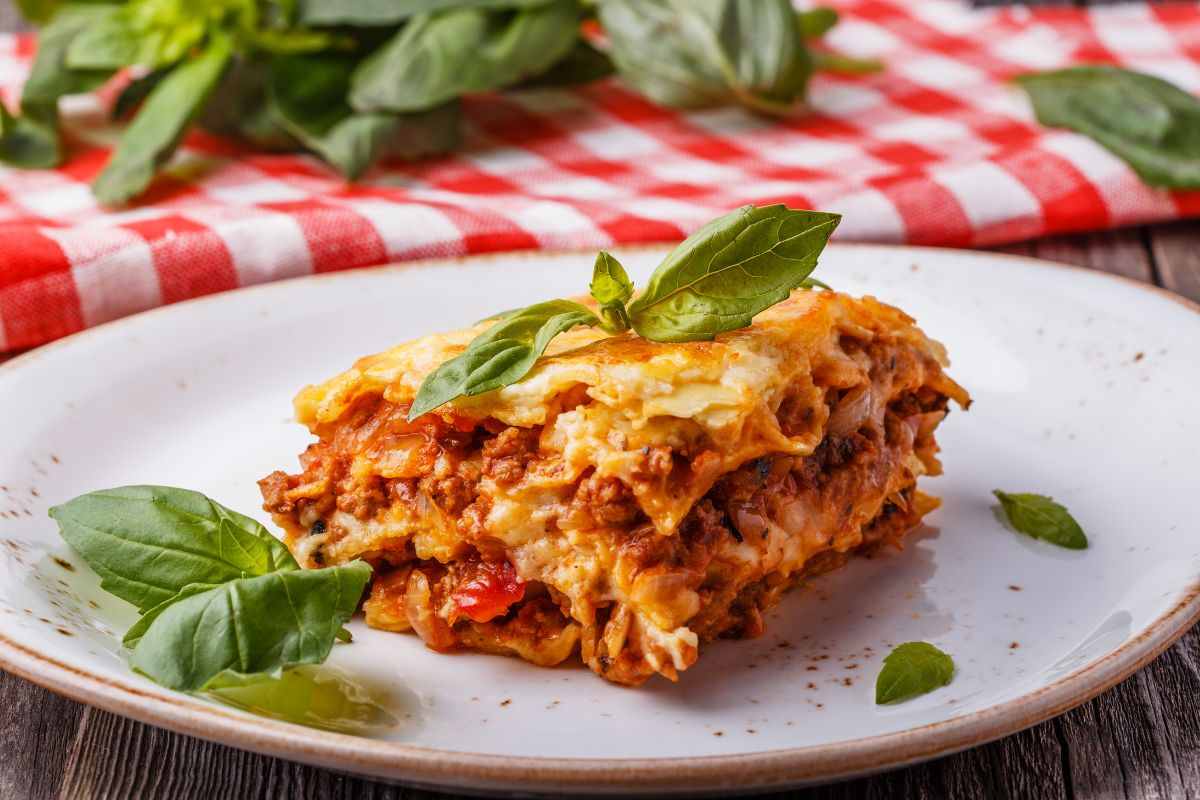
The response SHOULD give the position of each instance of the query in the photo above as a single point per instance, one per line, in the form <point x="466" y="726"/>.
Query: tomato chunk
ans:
<point x="489" y="592"/>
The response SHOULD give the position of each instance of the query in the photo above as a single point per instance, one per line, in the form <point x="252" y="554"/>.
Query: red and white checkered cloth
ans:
<point x="939" y="149"/>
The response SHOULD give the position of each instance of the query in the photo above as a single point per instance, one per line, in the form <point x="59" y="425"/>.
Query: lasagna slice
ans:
<point x="627" y="500"/>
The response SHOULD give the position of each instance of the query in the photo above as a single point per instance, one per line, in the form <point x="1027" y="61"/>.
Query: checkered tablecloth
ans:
<point x="939" y="149"/>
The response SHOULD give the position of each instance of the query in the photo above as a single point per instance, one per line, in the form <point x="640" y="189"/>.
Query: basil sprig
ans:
<point x="357" y="81"/>
<point x="1040" y="517"/>
<point x="216" y="591"/>
<point x="611" y="289"/>
<point x="910" y="670"/>
<point x="717" y="280"/>
<point x="1147" y="122"/>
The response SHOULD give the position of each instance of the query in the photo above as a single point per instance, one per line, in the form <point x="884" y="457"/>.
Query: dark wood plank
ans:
<point x="37" y="729"/>
<point x="1121" y="252"/>
<point x="117" y="757"/>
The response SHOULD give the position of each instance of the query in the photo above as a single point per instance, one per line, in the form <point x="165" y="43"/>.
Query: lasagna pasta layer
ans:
<point x="627" y="499"/>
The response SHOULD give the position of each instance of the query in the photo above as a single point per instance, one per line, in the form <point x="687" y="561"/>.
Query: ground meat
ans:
<point x="452" y="493"/>
<point x="274" y="489"/>
<point x="362" y="498"/>
<point x="506" y="455"/>
<point x="705" y="527"/>
<point x="606" y="501"/>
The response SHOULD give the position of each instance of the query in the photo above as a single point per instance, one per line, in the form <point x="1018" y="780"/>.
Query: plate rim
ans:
<point x="438" y="768"/>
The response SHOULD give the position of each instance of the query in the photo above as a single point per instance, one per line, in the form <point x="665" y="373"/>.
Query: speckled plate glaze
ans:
<point x="1085" y="388"/>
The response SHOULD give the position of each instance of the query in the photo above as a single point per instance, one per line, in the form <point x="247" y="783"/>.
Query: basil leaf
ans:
<point x="1147" y="122"/>
<point x="49" y="78"/>
<point x="307" y="96"/>
<point x="250" y="625"/>
<point x="910" y="670"/>
<point x="730" y="270"/>
<point x="32" y="139"/>
<point x="1040" y="517"/>
<point x="501" y="355"/>
<point x="816" y="22"/>
<point x="139" y="628"/>
<point x="437" y="57"/>
<point x="150" y="33"/>
<point x="388" y="12"/>
<point x="155" y="132"/>
<point x="611" y="288"/>
<point x="134" y="93"/>
<point x="696" y="53"/>
<point x="27" y="141"/>
<point x="655" y="49"/>
<point x="109" y="42"/>
<point x="148" y="543"/>
<point x="762" y="52"/>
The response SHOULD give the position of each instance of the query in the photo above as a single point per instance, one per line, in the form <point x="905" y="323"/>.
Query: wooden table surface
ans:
<point x="1138" y="740"/>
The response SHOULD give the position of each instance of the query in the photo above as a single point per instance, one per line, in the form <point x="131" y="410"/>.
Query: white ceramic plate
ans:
<point x="1085" y="389"/>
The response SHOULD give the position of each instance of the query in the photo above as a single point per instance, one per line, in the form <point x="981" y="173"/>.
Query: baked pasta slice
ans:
<point x="627" y="500"/>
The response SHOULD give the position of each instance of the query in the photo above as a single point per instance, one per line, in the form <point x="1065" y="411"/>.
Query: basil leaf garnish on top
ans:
<point x="1147" y="122"/>
<point x="250" y="625"/>
<point x="910" y="670"/>
<point x="148" y="543"/>
<point x="501" y="355"/>
<point x="715" y="281"/>
<point x="730" y="270"/>
<point x="611" y="288"/>
<point x="1040" y="517"/>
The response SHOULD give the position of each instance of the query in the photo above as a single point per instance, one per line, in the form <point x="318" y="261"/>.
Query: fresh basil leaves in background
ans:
<point x="436" y="58"/>
<point x="217" y="592"/>
<point x="715" y="281"/>
<point x="698" y="53"/>
<point x="1040" y="517"/>
<point x="1145" y="121"/>
<point x="31" y="139"/>
<point x="910" y="670"/>
<point x="355" y="81"/>
<point x="163" y="119"/>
